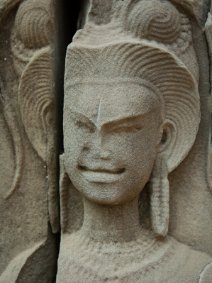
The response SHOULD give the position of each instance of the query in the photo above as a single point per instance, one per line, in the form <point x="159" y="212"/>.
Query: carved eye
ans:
<point x="128" y="129"/>
<point x="78" y="123"/>
<point x="84" y="126"/>
<point x="136" y="128"/>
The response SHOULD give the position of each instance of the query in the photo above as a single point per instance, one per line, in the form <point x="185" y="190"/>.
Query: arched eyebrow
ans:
<point x="129" y="121"/>
<point x="82" y="118"/>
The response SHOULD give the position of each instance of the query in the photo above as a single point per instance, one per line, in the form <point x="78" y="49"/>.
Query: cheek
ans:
<point x="134" y="150"/>
<point x="142" y="151"/>
<point x="72" y="147"/>
<point x="74" y="137"/>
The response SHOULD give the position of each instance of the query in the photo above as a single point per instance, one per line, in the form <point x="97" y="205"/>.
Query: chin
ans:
<point x="110" y="192"/>
<point x="105" y="194"/>
<point x="106" y="200"/>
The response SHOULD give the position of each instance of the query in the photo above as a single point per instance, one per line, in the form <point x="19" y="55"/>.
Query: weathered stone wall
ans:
<point x="28" y="152"/>
<point x="101" y="241"/>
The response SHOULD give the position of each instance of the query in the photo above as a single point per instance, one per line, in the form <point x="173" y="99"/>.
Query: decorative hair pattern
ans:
<point x="35" y="101"/>
<point x="157" y="21"/>
<point x="161" y="22"/>
<point x="37" y="111"/>
<point x="33" y="24"/>
<point x="32" y="31"/>
<point x="32" y="58"/>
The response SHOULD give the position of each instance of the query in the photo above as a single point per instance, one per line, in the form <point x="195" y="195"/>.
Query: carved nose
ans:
<point x="96" y="149"/>
<point x="97" y="152"/>
<point x="104" y="154"/>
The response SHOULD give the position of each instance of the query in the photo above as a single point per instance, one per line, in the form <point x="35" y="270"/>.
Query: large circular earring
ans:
<point x="159" y="199"/>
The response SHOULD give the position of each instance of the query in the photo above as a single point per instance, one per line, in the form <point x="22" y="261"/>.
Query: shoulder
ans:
<point x="194" y="265"/>
<point x="206" y="274"/>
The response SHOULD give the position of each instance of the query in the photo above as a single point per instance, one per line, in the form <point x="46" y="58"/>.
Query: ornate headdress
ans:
<point x="33" y="29"/>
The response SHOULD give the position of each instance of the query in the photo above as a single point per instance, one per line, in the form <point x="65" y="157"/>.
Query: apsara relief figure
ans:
<point x="131" y="115"/>
<point x="27" y="142"/>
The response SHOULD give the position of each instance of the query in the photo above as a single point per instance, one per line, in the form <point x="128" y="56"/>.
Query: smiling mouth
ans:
<point x="101" y="175"/>
<point x="100" y="170"/>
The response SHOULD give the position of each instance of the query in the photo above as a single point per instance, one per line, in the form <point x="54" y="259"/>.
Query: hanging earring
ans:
<point x="160" y="197"/>
<point x="64" y="194"/>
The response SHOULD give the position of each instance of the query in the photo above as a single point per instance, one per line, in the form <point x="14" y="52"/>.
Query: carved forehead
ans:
<point x="112" y="101"/>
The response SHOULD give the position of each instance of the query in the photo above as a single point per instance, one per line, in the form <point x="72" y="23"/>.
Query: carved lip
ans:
<point x="101" y="174"/>
<point x="102" y="169"/>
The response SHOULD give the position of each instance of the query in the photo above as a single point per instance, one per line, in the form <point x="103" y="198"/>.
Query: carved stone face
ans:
<point x="112" y="133"/>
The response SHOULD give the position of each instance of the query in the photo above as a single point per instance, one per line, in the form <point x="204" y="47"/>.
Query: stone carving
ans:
<point x="6" y="6"/>
<point x="14" y="129"/>
<point x="30" y="42"/>
<point x="29" y="141"/>
<point x="8" y="113"/>
<point x="190" y="191"/>
<point x="32" y="31"/>
<point x="131" y="116"/>
<point x="208" y="28"/>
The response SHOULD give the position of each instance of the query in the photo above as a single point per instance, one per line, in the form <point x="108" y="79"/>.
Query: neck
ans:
<point x="111" y="223"/>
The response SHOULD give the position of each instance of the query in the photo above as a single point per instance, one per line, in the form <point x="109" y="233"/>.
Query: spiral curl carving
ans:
<point x="32" y="31"/>
<point x="36" y="100"/>
<point x="33" y="25"/>
<point x="159" y="21"/>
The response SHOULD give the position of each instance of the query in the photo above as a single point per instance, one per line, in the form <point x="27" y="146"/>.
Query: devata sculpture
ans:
<point x="27" y="142"/>
<point x="131" y="116"/>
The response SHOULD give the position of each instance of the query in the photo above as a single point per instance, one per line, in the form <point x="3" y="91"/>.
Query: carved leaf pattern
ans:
<point x="35" y="100"/>
<point x="14" y="129"/>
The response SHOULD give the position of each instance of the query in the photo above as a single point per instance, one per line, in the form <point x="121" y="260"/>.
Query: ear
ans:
<point x="167" y="139"/>
<point x="64" y="184"/>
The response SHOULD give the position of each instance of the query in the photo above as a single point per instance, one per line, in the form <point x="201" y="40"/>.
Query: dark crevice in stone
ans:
<point x="67" y="13"/>
<point x="66" y="17"/>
